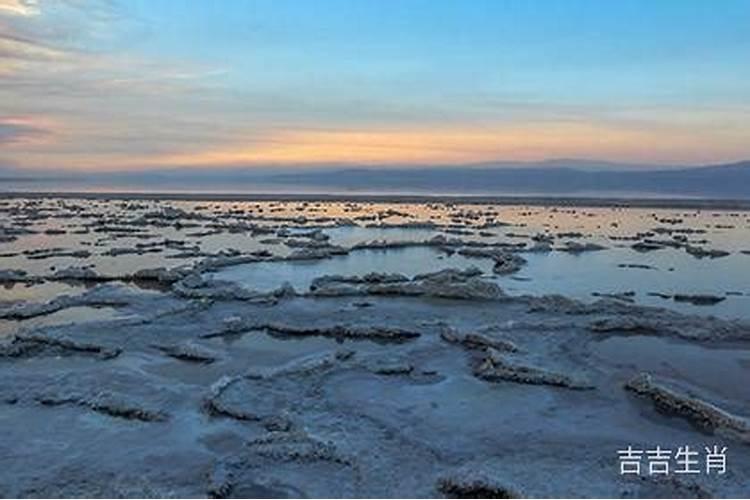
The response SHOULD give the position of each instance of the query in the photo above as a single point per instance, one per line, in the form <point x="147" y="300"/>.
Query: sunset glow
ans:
<point x="142" y="85"/>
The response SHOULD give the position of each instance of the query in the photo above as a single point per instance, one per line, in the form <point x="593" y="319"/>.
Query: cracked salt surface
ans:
<point x="384" y="386"/>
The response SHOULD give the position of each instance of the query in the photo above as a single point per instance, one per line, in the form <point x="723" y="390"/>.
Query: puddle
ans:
<point x="579" y="276"/>
<point x="264" y="276"/>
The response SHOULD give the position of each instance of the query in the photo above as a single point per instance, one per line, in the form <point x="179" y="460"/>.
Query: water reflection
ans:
<point x="118" y="237"/>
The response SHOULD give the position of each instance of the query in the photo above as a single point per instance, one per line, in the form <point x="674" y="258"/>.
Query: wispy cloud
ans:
<point x="21" y="130"/>
<point x="19" y="7"/>
<point x="102" y="104"/>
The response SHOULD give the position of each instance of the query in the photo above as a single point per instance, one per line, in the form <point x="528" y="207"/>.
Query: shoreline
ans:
<point x="603" y="202"/>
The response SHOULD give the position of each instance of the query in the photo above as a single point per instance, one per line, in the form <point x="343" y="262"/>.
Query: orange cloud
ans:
<point x="446" y="145"/>
<point x="83" y="147"/>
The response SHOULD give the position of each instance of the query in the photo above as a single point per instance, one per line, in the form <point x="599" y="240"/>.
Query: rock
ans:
<point x="97" y="296"/>
<point x="509" y="264"/>
<point x="576" y="247"/>
<point x="35" y="342"/>
<point x="107" y="404"/>
<point x="646" y="246"/>
<point x="362" y="304"/>
<point x="307" y="365"/>
<point x="49" y="253"/>
<point x="188" y="352"/>
<point x="381" y="333"/>
<point x="698" y="300"/>
<point x="469" y="484"/>
<point x="370" y="278"/>
<point x="631" y="325"/>
<point x="384" y="278"/>
<point x="385" y="244"/>
<point x="193" y="280"/>
<point x="476" y="340"/>
<point x="438" y="240"/>
<point x="667" y="323"/>
<point x="668" y="487"/>
<point x="316" y="253"/>
<point x="304" y="243"/>
<point x="209" y="289"/>
<point x="235" y="478"/>
<point x="699" y="252"/>
<point x="483" y="341"/>
<point x="217" y="405"/>
<point x="623" y="296"/>
<point x="505" y="262"/>
<point x="114" y="252"/>
<point x="14" y="276"/>
<point x="672" y="221"/>
<point x="296" y="446"/>
<point x="159" y="274"/>
<point x="327" y="279"/>
<point x="559" y="304"/>
<point x="540" y="247"/>
<point x="469" y="289"/>
<point x="285" y="291"/>
<point x="265" y="396"/>
<point x="635" y="266"/>
<point x="75" y="273"/>
<point x="448" y="284"/>
<point x="262" y="254"/>
<point x="220" y="481"/>
<point x="333" y="289"/>
<point x="704" y="415"/>
<point x="213" y="263"/>
<point x="543" y="238"/>
<point x="495" y="368"/>
<point x="169" y="213"/>
<point x="23" y="310"/>
<point x="391" y="367"/>
<point x="450" y="274"/>
<point x="120" y="408"/>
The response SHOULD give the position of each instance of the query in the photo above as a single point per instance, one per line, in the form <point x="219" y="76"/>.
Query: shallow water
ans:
<point x="576" y="275"/>
<point x="581" y="275"/>
<point x="266" y="276"/>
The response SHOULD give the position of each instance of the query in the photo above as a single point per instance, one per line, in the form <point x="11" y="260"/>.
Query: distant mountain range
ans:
<point x="552" y="178"/>
<point x="722" y="181"/>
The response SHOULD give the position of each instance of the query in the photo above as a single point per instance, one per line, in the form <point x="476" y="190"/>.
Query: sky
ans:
<point x="148" y="84"/>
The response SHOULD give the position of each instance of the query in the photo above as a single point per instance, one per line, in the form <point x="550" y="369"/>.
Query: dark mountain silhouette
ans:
<point x="552" y="178"/>
<point x="722" y="181"/>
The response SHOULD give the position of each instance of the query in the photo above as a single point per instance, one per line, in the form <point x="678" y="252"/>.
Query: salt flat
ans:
<point x="362" y="348"/>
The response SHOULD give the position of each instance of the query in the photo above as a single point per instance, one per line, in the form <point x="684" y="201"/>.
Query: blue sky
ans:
<point x="145" y="84"/>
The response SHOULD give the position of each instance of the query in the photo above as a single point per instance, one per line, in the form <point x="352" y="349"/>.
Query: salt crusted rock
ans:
<point x="688" y="406"/>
